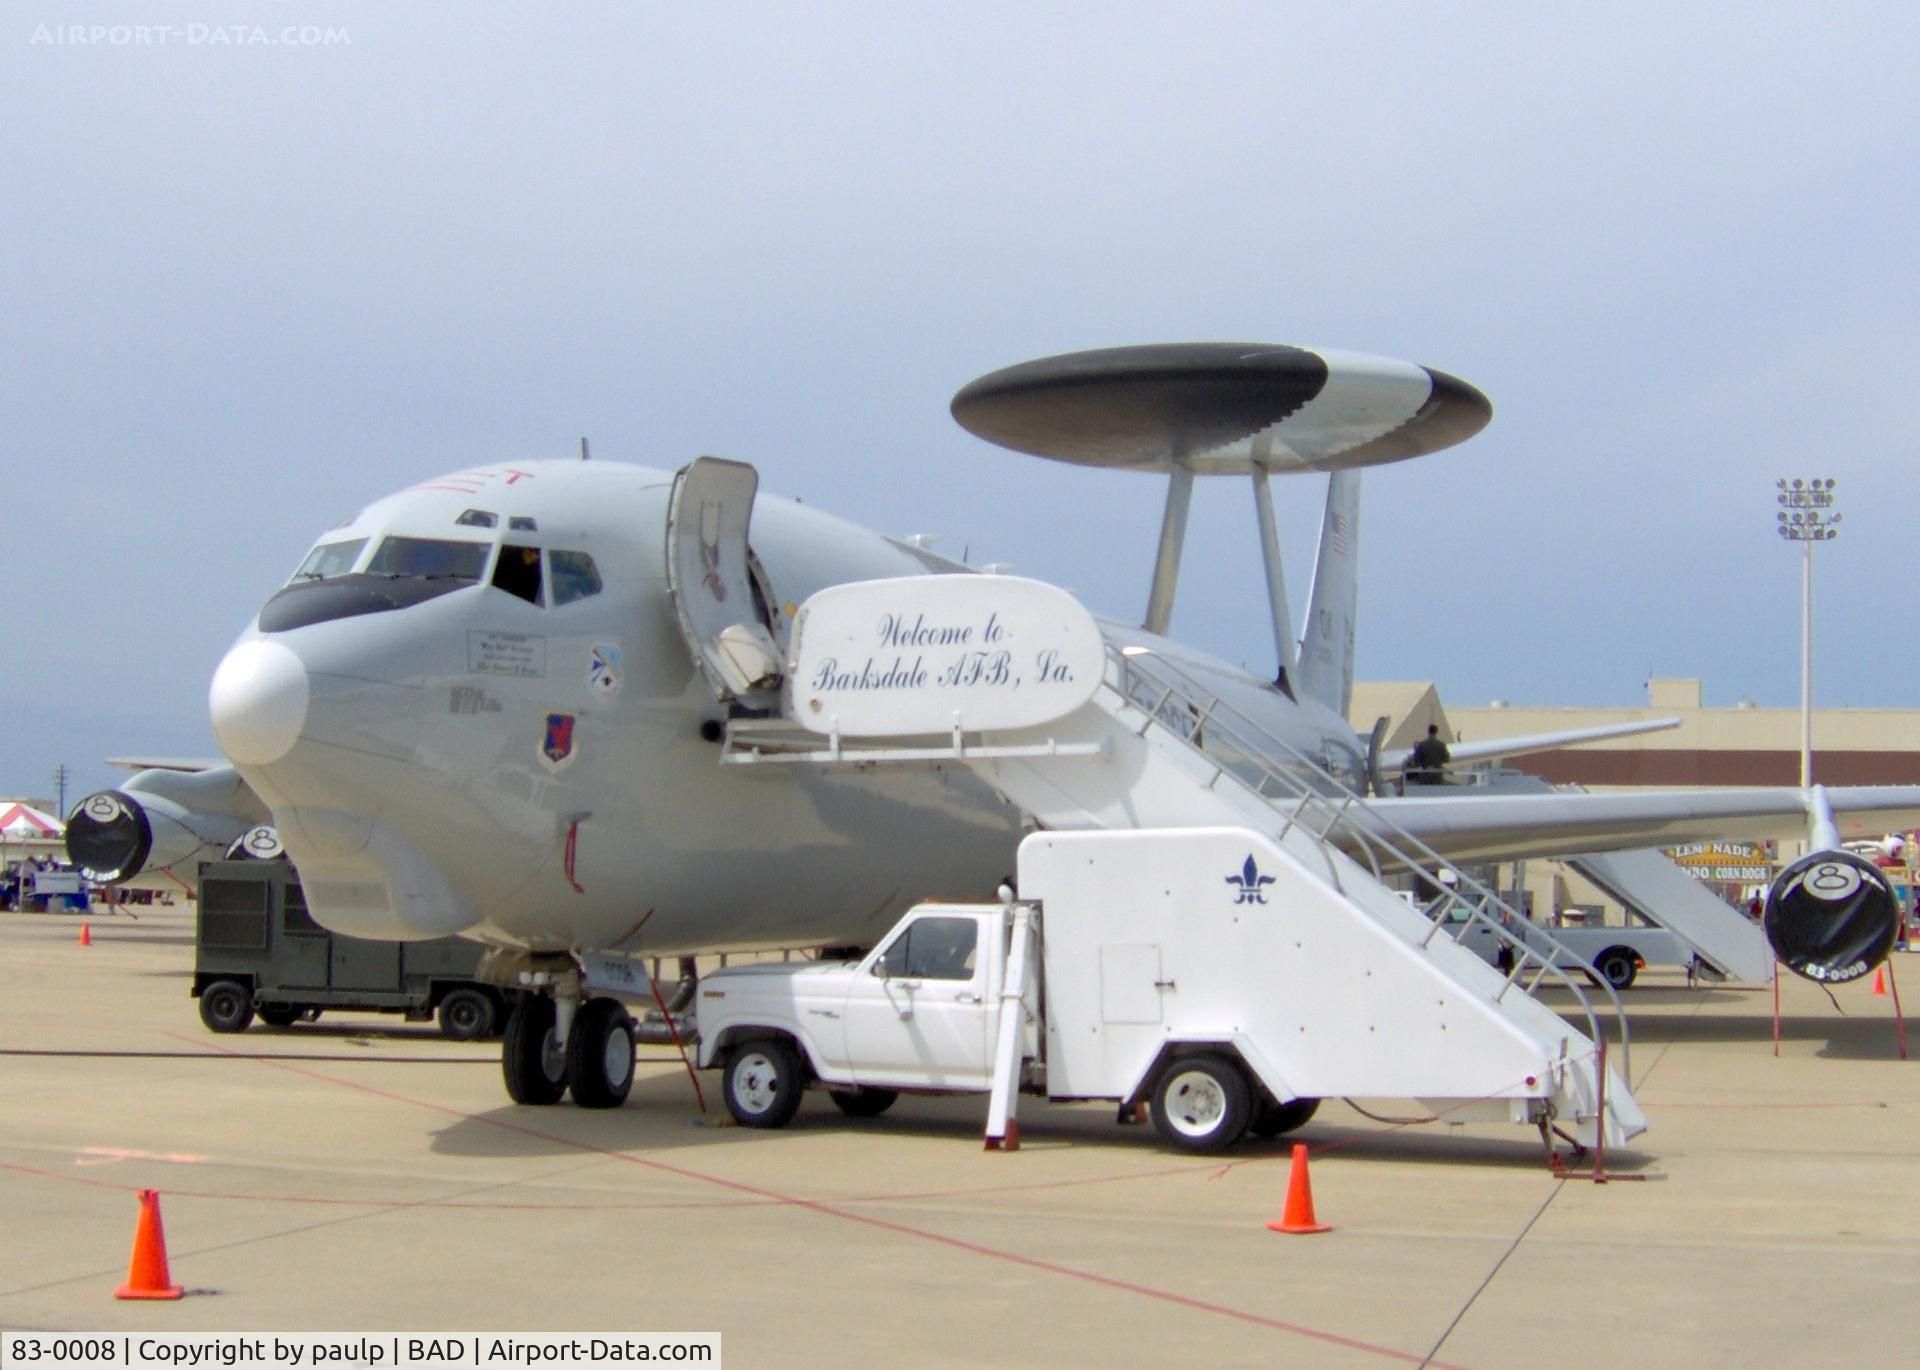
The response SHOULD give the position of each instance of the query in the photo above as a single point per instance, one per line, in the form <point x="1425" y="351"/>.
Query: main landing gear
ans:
<point x="557" y="1044"/>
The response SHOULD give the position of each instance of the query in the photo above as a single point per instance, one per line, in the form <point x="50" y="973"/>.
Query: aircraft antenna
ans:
<point x="584" y="454"/>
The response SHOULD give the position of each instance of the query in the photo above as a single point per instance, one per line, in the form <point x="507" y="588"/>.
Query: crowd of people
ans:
<point x="22" y="886"/>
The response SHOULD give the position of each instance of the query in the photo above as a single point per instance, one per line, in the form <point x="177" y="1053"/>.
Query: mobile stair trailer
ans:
<point x="1161" y="804"/>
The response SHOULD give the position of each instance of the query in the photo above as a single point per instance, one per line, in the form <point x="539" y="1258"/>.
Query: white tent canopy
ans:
<point x="23" y="820"/>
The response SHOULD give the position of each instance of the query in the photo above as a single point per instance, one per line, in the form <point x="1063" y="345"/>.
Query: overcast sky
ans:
<point x="248" y="286"/>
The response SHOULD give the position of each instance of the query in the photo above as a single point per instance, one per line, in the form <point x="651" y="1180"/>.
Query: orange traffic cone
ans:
<point x="86" y="935"/>
<point x="147" y="1273"/>
<point x="1880" y="981"/>
<point x="1298" y="1214"/>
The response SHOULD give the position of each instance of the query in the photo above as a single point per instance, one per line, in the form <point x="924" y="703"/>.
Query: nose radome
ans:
<point x="259" y="702"/>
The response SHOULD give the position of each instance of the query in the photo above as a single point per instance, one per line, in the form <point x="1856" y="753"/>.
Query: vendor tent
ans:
<point x="23" y="820"/>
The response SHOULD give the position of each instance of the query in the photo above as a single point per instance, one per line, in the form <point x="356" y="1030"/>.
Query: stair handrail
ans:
<point x="1313" y="785"/>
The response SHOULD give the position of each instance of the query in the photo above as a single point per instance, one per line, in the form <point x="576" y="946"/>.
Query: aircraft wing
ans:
<point x="1510" y="827"/>
<point x="189" y="765"/>
<point x="1501" y="747"/>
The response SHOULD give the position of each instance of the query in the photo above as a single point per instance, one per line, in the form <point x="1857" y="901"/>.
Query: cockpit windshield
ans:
<point x="429" y="559"/>
<point x="402" y="572"/>
<point x="330" y="559"/>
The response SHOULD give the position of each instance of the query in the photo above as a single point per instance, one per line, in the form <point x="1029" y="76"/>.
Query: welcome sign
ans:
<point x="924" y="654"/>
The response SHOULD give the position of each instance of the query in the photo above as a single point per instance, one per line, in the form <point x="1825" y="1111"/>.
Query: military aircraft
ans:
<point x="496" y="703"/>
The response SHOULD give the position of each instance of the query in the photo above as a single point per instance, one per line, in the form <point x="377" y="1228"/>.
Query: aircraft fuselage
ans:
<point x="474" y="711"/>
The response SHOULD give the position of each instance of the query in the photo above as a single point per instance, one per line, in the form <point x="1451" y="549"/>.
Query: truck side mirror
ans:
<point x="880" y="969"/>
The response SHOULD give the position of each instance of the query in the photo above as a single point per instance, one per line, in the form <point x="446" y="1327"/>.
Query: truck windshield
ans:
<point x="934" y="949"/>
<point x="429" y="559"/>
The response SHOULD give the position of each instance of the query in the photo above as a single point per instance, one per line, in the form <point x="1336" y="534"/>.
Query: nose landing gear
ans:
<point x="600" y="1054"/>
<point x="556" y="1044"/>
<point x="531" y="1055"/>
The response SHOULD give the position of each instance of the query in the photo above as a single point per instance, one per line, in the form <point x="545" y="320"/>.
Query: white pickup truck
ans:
<point x="1617" y="954"/>
<point x="921" y="1013"/>
<point x="1202" y="970"/>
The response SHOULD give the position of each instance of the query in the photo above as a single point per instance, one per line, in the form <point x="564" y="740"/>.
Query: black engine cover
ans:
<point x="1832" y="917"/>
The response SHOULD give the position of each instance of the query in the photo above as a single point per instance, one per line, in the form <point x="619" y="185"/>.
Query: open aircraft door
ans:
<point x="710" y="575"/>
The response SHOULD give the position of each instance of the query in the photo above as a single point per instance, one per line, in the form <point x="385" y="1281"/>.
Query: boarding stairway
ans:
<point x="1153" y="748"/>
<point x="1727" y="942"/>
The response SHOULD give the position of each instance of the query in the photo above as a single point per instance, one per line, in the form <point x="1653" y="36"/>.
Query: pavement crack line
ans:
<point x="833" y="1210"/>
<point x="1538" y="1213"/>
<point x="1667" y="1046"/>
<point x="1498" y="1265"/>
<point x="275" y="1235"/>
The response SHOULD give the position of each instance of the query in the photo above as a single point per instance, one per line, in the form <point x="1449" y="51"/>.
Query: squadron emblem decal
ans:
<point x="603" y="670"/>
<point x="557" y="751"/>
<point x="1250" y="884"/>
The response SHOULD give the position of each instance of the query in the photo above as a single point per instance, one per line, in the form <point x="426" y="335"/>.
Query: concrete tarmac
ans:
<point x="362" y="1174"/>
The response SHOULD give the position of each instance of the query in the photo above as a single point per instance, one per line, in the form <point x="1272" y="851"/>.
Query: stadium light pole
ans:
<point x="1804" y="519"/>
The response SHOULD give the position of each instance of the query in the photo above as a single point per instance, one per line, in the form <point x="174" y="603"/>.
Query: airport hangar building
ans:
<point x="1741" y="745"/>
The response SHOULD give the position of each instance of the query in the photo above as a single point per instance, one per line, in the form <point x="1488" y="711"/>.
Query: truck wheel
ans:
<point x="277" y="1015"/>
<point x="1276" y="1120"/>
<point x="1617" y="966"/>
<point x="600" y="1054"/>
<point x="536" y="1072"/>
<point x="863" y="1103"/>
<point x="466" y="1014"/>
<point x="763" y="1082"/>
<point x="1201" y="1103"/>
<point x="226" y="1006"/>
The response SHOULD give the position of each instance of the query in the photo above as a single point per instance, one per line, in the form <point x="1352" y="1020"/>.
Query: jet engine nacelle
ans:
<point x="115" y="835"/>
<point x="1832" y="917"/>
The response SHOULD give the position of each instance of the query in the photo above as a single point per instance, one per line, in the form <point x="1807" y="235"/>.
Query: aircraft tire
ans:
<point x="1276" y="1120"/>
<point x="226" y="1006"/>
<point x="1201" y="1103"/>
<point x="763" y="1082"/>
<point x="600" y="1054"/>
<point x="863" y="1103"/>
<point x="535" y="1074"/>
<point x="466" y="1014"/>
<point x="1617" y="966"/>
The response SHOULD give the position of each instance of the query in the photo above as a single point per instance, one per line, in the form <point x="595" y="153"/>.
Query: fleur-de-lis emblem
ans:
<point x="1249" y="882"/>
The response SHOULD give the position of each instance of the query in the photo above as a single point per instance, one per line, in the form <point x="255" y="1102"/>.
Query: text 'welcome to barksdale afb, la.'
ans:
<point x="389" y="1351"/>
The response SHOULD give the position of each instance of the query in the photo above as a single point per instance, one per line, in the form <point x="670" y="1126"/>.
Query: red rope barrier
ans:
<point x="673" y="1031"/>
<point x="1776" y="1008"/>
<point x="1899" y="1018"/>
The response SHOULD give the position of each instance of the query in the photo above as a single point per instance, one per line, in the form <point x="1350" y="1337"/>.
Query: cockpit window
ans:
<point x="574" y="577"/>
<point x="429" y="559"/>
<point x="330" y="559"/>
<point x="518" y="572"/>
<point x="478" y="518"/>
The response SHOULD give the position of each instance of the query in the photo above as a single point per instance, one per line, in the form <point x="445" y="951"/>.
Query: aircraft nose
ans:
<point x="259" y="702"/>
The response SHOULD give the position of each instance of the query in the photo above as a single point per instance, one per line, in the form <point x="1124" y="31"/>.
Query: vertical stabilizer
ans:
<point x="1326" y="649"/>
